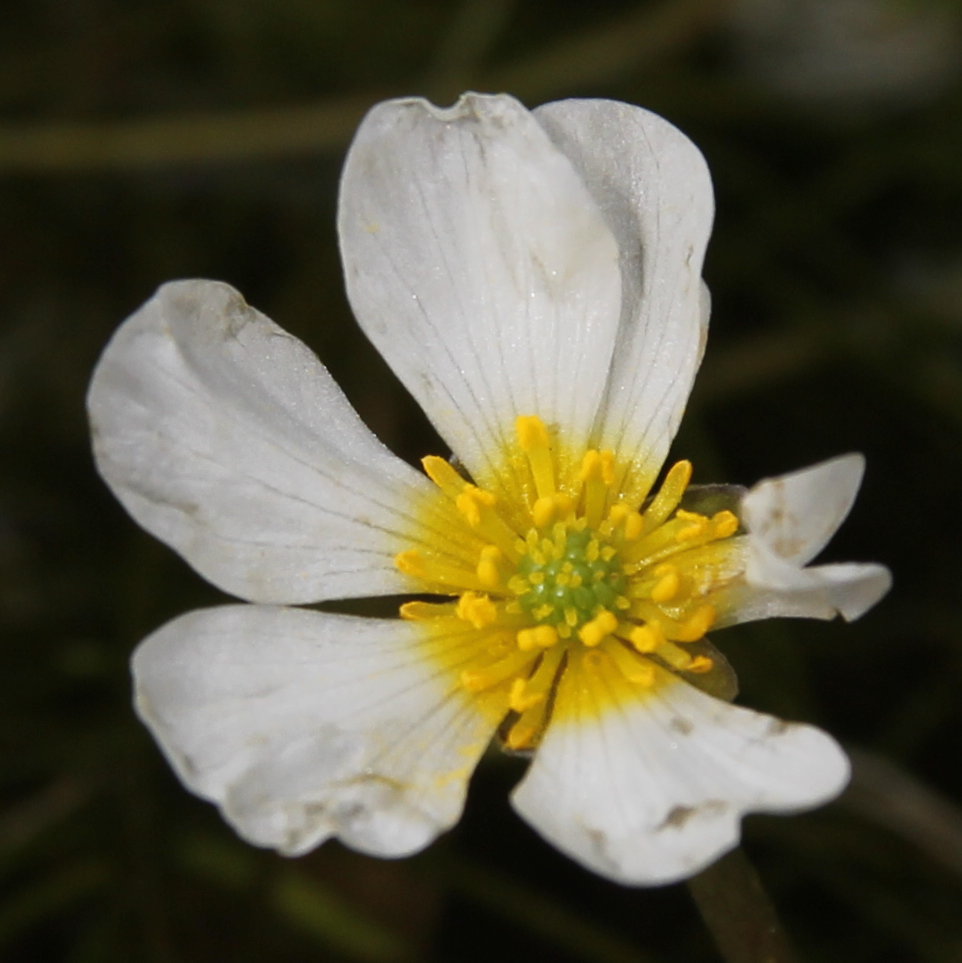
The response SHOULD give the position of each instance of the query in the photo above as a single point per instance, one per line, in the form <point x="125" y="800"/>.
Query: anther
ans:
<point x="531" y="432"/>
<point x="477" y="609"/>
<point x="635" y="670"/>
<point x="520" y="700"/>
<point x="488" y="571"/>
<point x="697" y="527"/>
<point x="593" y="633"/>
<point x="724" y="524"/>
<point x="543" y="512"/>
<point x="597" y="474"/>
<point x="646" y="638"/>
<point x="444" y="475"/>
<point x="634" y="526"/>
<point x="418" y="611"/>
<point x="538" y="637"/>
<point x="669" y="495"/>
<point x="696" y="625"/>
<point x="668" y="584"/>
<point x="411" y="562"/>
<point x="472" y="501"/>
<point x="477" y="680"/>
<point x="536" y="444"/>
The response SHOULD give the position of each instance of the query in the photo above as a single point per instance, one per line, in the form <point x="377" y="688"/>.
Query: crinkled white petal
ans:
<point x="303" y="725"/>
<point x="796" y="515"/>
<point x="225" y="437"/>
<point x="790" y="519"/>
<point x="774" y="589"/>
<point x="653" y="791"/>
<point x="481" y="268"/>
<point x="654" y="189"/>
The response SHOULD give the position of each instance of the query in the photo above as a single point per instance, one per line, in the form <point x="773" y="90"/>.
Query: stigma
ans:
<point x="561" y="573"/>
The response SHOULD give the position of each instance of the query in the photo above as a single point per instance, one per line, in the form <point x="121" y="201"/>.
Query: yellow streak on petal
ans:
<point x="603" y="680"/>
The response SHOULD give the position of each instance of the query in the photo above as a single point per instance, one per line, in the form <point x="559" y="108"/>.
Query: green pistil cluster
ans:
<point x="567" y="580"/>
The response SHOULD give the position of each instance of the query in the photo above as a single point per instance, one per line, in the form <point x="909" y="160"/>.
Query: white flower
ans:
<point x="534" y="280"/>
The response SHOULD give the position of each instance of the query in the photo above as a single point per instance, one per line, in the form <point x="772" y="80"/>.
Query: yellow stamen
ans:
<point x="689" y="628"/>
<point x="647" y="638"/>
<point x="556" y="567"/>
<point x="532" y="432"/>
<point x="695" y="626"/>
<point x="520" y="699"/>
<point x="471" y="501"/>
<point x="543" y="512"/>
<point x="434" y="572"/>
<point x="538" y="637"/>
<point x="477" y="609"/>
<point x="596" y="475"/>
<point x="674" y="656"/>
<point x="532" y="694"/>
<point x="724" y="524"/>
<point x="535" y="442"/>
<point x="479" y="679"/>
<point x="444" y="475"/>
<point x="698" y="526"/>
<point x="701" y="664"/>
<point x="598" y="629"/>
<point x="669" y="495"/>
<point x="488" y="570"/>
<point x="668" y="584"/>
<point x="418" y="611"/>
<point x="634" y="526"/>
<point x="637" y="670"/>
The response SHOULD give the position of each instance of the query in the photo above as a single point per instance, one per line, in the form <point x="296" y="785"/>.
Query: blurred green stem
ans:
<point x="634" y="42"/>
<point x="735" y="907"/>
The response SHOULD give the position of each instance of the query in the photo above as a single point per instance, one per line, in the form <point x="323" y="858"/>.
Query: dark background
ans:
<point x="144" y="141"/>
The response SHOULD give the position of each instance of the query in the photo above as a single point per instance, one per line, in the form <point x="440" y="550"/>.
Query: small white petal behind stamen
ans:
<point x="789" y="520"/>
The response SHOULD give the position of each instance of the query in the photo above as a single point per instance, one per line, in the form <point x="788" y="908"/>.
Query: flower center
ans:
<point x="558" y="571"/>
<point x="568" y="578"/>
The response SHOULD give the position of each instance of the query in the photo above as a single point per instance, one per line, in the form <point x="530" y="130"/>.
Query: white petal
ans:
<point x="302" y="725"/>
<point x="651" y="791"/>
<point x="796" y="515"/>
<point x="790" y="519"/>
<point x="226" y="437"/>
<point x="773" y="589"/>
<point x="654" y="189"/>
<point x="480" y="267"/>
